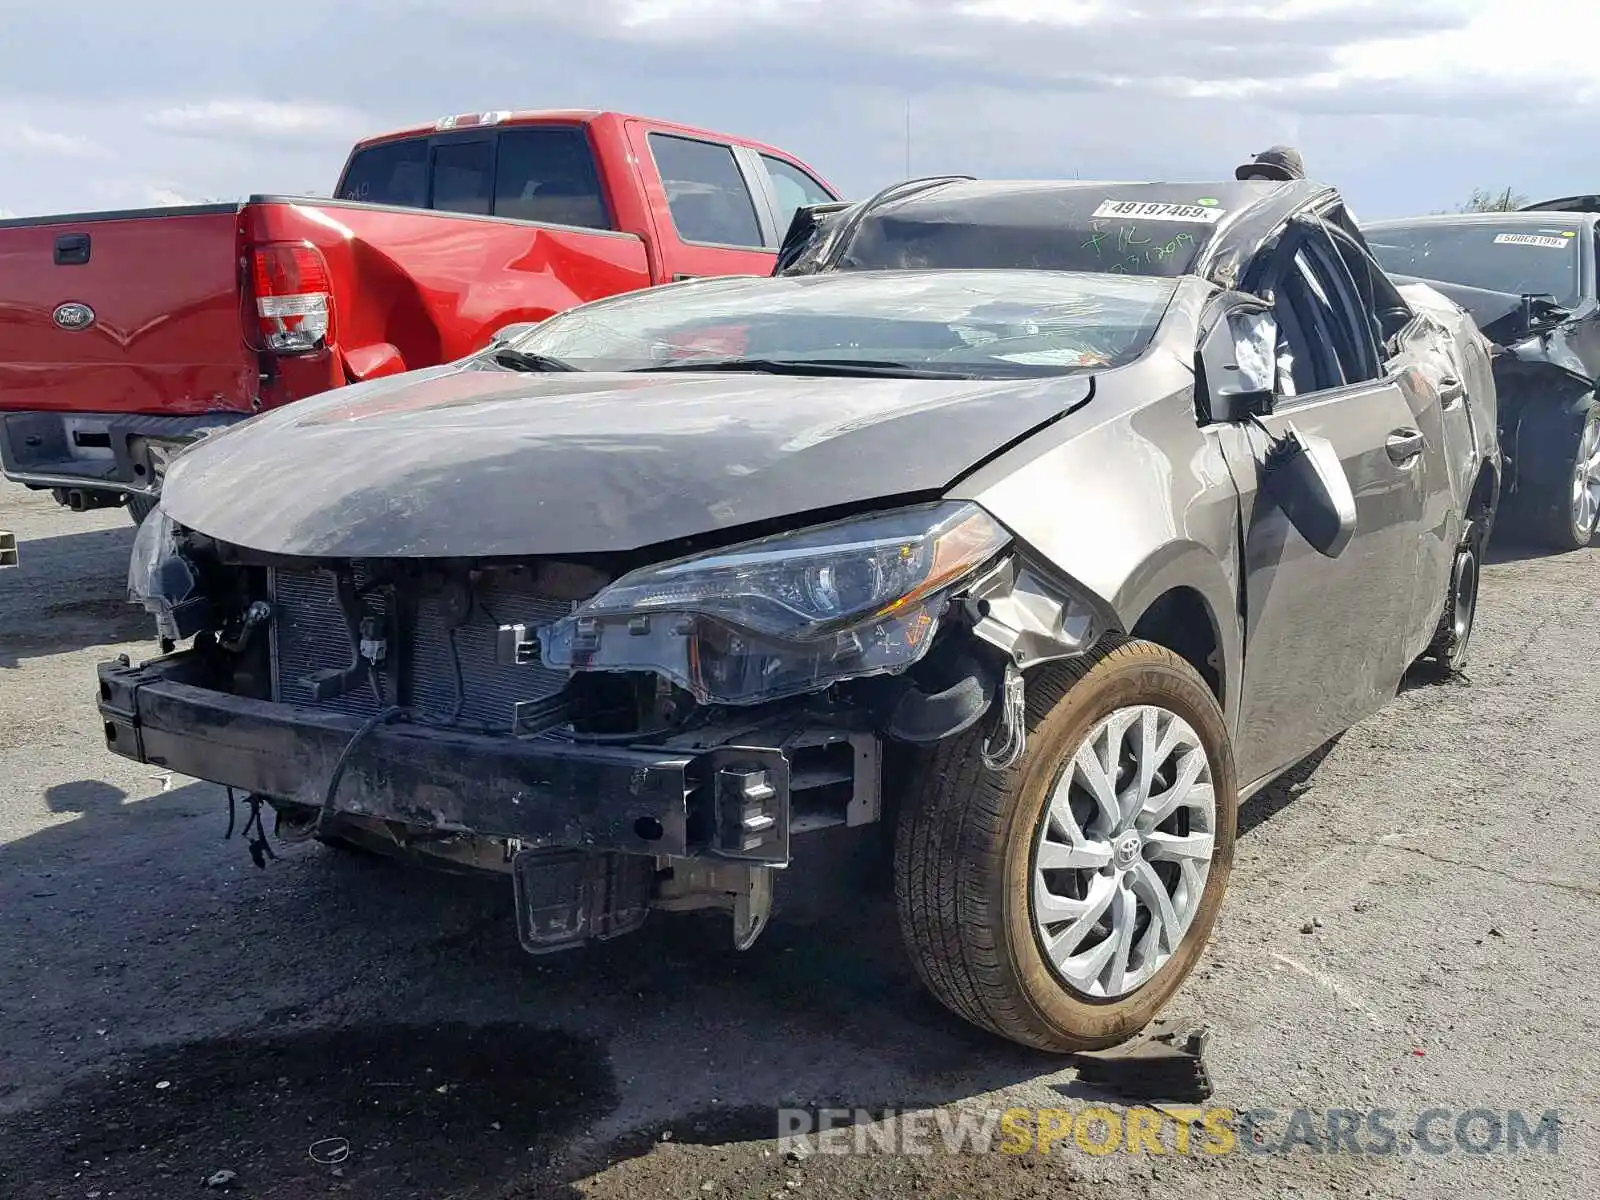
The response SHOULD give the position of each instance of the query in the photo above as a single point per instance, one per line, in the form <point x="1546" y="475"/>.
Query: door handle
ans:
<point x="1404" y="445"/>
<point x="1451" y="390"/>
<point x="72" y="249"/>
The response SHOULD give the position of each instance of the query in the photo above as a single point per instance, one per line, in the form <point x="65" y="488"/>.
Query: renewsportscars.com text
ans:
<point x="1170" y="1130"/>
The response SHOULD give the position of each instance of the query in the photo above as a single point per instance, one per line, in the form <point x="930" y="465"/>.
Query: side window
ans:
<point x="706" y="193"/>
<point x="549" y="174"/>
<point x="793" y="189"/>
<point x="1297" y="371"/>
<point x="462" y="172"/>
<point x="392" y="173"/>
<point x="1383" y="306"/>
<point x="1349" y="318"/>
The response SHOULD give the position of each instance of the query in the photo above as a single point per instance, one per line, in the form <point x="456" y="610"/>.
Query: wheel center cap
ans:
<point x="1126" y="850"/>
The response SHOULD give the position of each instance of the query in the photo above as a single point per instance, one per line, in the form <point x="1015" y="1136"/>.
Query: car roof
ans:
<point x="1543" y="217"/>
<point x="1587" y="203"/>
<point x="502" y="118"/>
<point x="1194" y="227"/>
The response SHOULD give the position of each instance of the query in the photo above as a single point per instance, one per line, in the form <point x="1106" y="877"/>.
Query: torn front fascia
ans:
<point x="1015" y="611"/>
<point x="1030" y="620"/>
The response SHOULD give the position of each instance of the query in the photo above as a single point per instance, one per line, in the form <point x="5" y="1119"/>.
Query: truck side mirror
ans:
<point x="1238" y="357"/>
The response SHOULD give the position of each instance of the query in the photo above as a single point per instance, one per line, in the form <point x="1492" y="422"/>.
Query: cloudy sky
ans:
<point x="1406" y="104"/>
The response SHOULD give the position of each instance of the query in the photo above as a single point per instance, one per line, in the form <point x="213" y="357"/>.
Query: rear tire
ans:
<point x="1558" y="486"/>
<point x="975" y="903"/>
<point x="1448" y="650"/>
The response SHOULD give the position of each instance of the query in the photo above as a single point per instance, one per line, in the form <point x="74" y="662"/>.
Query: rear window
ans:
<point x="1519" y="257"/>
<point x="549" y="175"/>
<point x="940" y="240"/>
<point x="462" y="176"/>
<point x="393" y="173"/>
<point x="531" y="173"/>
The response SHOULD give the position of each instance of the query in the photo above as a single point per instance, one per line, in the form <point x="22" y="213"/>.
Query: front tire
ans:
<point x="1558" y="502"/>
<point x="1060" y="903"/>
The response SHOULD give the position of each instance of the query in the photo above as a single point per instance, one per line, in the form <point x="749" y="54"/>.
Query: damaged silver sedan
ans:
<point x="1040" y="573"/>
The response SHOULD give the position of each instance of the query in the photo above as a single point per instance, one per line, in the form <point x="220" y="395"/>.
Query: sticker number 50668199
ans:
<point x="1532" y="239"/>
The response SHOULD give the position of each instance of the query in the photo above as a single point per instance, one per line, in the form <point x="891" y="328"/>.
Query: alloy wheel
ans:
<point x="1123" y="851"/>
<point x="1465" y="595"/>
<point x="1586" y="478"/>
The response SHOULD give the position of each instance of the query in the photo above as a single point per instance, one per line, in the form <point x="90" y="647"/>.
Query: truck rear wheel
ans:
<point x="1060" y="903"/>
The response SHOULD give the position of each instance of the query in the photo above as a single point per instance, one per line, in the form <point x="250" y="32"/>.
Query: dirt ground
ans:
<point x="338" y="1026"/>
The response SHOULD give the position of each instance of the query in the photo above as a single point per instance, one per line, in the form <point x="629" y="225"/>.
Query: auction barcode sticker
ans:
<point x="1150" y="210"/>
<point x="1532" y="239"/>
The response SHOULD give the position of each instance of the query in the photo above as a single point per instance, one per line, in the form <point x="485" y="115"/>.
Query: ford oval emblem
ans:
<point x="73" y="316"/>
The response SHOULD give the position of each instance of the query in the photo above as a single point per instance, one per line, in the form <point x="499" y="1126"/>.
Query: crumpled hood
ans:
<point x="468" y="461"/>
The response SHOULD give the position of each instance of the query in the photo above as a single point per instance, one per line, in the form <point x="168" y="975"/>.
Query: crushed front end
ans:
<point x="617" y="737"/>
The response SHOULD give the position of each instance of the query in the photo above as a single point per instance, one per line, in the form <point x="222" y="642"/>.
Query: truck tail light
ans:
<point x="294" y="297"/>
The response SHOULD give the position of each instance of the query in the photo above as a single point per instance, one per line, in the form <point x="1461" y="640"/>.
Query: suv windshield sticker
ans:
<point x="1200" y="214"/>
<point x="1533" y="239"/>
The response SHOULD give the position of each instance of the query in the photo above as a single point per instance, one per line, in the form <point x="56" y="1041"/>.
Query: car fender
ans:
<point x="1128" y="507"/>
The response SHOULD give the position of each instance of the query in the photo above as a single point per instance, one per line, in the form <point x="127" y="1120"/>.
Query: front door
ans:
<point x="1325" y="638"/>
<point x="709" y="218"/>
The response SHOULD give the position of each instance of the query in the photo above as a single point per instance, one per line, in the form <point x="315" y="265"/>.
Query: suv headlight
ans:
<point x="786" y="614"/>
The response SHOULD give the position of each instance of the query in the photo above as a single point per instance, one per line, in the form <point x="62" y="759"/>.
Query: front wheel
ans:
<point x="1558" y="506"/>
<point x="1060" y="903"/>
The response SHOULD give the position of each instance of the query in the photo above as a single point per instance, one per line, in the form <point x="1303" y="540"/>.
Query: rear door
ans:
<point x="1326" y="639"/>
<point x="130" y="312"/>
<point x="712" y="214"/>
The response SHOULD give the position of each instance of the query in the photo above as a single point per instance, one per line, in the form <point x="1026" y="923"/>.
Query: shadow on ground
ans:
<point x="1283" y="791"/>
<point x="1507" y="547"/>
<point x="69" y="592"/>
<point x="334" y="996"/>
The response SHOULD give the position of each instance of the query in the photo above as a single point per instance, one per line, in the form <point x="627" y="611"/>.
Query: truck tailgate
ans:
<point x="129" y="312"/>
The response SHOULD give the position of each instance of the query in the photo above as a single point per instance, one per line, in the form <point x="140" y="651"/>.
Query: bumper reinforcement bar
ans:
<point x="729" y="801"/>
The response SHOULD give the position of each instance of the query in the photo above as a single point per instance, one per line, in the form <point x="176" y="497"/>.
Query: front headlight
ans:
<point x="163" y="581"/>
<point x="785" y="614"/>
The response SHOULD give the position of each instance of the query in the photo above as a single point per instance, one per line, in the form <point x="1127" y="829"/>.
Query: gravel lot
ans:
<point x="167" y="1011"/>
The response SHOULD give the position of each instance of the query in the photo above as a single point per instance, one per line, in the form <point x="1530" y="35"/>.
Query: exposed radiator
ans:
<point x="309" y="634"/>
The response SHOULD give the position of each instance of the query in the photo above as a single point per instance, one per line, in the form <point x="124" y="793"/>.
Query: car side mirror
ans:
<point x="507" y="334"/>
<point x="1305" y="478"/>
<point x="1239" y="359"/>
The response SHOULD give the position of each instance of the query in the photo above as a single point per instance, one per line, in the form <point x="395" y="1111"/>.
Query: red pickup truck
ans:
<point x="124" y="335"/>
